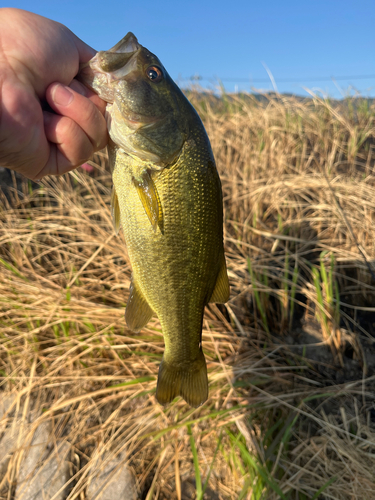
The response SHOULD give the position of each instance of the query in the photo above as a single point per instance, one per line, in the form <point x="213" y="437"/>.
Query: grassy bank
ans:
<point x="291" y="357"/>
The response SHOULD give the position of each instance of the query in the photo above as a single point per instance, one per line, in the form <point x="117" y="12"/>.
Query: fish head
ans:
<point x="144" y="113"/>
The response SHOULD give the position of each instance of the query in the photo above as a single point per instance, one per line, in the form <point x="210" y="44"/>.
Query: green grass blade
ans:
<point x="212" y="464"/>
<point x="139" y="380"/>
<point x="198" y="480"/>
<point x="257" y="297"/>
<point x="13" y="269"/>
<point x="324" y="487"/>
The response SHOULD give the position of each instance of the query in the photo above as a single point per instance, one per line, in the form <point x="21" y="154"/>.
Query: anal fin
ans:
<point x="149" y="197"/>
<point x="137" y="313"/>
<point x="221" y="291"/>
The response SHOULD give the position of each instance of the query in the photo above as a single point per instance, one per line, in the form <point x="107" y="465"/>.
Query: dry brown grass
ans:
<point x="282" y="418"/>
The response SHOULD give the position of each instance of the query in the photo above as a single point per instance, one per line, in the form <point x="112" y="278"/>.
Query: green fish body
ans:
<point x="167" y="198"/>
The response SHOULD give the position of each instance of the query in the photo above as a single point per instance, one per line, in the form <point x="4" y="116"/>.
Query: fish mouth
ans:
<point x="107" y="67"/>
<point x="110" y="65"/>
<point x="128" y="44"/>
<point x="136" y="121"/>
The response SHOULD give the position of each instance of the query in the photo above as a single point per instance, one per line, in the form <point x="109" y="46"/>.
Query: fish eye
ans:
<point x="154" y="73"/>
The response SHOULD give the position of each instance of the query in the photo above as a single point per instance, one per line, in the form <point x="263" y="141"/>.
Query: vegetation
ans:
<point x="291" y="357"/>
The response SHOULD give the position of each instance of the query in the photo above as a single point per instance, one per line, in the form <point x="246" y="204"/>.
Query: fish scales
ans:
<point x="169" y="203"/>
<point x="174" y="267"/>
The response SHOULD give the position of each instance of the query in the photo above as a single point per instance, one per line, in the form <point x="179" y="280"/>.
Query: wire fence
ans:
<point x="279" y="80"/>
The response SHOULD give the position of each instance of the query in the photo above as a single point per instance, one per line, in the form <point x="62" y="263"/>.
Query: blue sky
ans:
<point x="235" y="40"/>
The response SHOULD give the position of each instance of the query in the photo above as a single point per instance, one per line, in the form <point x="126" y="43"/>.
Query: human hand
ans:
<point x="39" y="59"/>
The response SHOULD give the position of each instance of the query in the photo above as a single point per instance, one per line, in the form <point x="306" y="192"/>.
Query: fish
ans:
<point x="167" y="197"/>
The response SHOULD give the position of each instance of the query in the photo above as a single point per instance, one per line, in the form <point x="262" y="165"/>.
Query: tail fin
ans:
<point x="190" y="383"/>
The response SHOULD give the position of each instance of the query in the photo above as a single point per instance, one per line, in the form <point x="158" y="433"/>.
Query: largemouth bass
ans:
<point x="167" y="197"/>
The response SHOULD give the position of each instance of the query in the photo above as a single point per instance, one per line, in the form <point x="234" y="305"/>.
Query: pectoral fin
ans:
<point x="115" y="210"/>
<point x="221" y="291"/>
<point x="137" y="313"/>
<point x="150" y="200"/>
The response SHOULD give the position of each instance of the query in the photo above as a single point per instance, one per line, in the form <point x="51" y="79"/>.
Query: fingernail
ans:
<point x="62" y="95"/>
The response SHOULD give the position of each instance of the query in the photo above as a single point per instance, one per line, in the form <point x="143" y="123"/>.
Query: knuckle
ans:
<point x="74" y="143"/>
<point x="83" y="152"/>
<point x="94" y="125"/>
<point x="66" y="127"/>
<point x="91" y="112"/>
